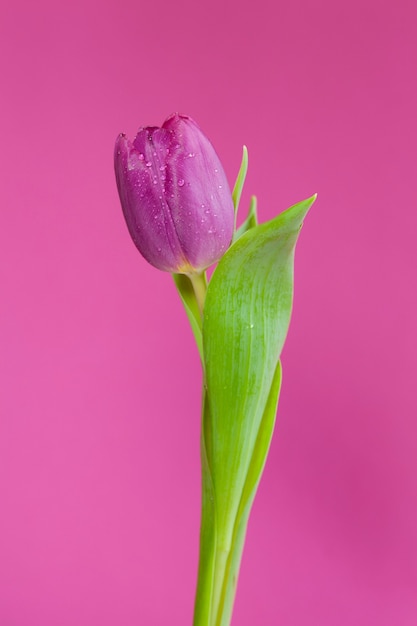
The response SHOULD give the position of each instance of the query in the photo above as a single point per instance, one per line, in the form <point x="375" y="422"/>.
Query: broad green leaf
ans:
<point x="246" y="317"/>
<point x="240" y="181"/>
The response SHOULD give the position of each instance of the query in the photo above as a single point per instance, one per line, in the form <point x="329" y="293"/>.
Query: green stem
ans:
<point x="218" y="565"/>
<point x="208" y="529"/>
<point x="199" y="283"/>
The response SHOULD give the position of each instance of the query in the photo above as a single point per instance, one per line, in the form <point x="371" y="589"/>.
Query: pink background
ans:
<point x="99" y="377"/>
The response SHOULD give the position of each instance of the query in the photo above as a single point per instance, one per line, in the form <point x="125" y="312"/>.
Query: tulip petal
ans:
<point x="198" y="194"/>
<point x="140" y="182"/>
<point x="175" y="196"/>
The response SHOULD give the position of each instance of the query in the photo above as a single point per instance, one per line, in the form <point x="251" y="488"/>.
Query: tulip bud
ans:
<point x="175" y="196"/>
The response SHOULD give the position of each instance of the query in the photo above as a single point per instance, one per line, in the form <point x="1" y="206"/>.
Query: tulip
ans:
<point x="175" y="196"/>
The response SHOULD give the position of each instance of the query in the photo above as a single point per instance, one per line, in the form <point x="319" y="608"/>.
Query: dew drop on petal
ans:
<point x="141" y="156"/>
<point x="148" y="164"/>
<point x="181" y="182"/>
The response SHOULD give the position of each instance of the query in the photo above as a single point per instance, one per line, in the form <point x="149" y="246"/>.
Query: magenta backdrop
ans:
<point x="100" y="381"/>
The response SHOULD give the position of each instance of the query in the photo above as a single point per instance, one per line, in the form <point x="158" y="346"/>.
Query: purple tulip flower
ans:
<point x="175" y="196"/>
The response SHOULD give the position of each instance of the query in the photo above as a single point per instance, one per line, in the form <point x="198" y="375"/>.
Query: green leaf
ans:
<point x="246" y="317"/>
<point x="217" y="577"/>
<point x="250" y="221"/>
<point x="257" y="463"/>
<point x="240" y="181"/>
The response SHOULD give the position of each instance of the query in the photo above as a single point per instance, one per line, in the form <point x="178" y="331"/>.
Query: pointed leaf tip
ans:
<point x="237" y="189"/>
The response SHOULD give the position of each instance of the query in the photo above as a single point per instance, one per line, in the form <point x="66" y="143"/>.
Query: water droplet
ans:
<point x="220" y="187"/>
<point x="148" y="164"/>
<point x="141" y="156"/>
<point x="162" y="167"/>
<point x="181" y="182"/>
<point x="216" y="171"/>
<point x="191" y="154"/>
<point x="251" y="325"/>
